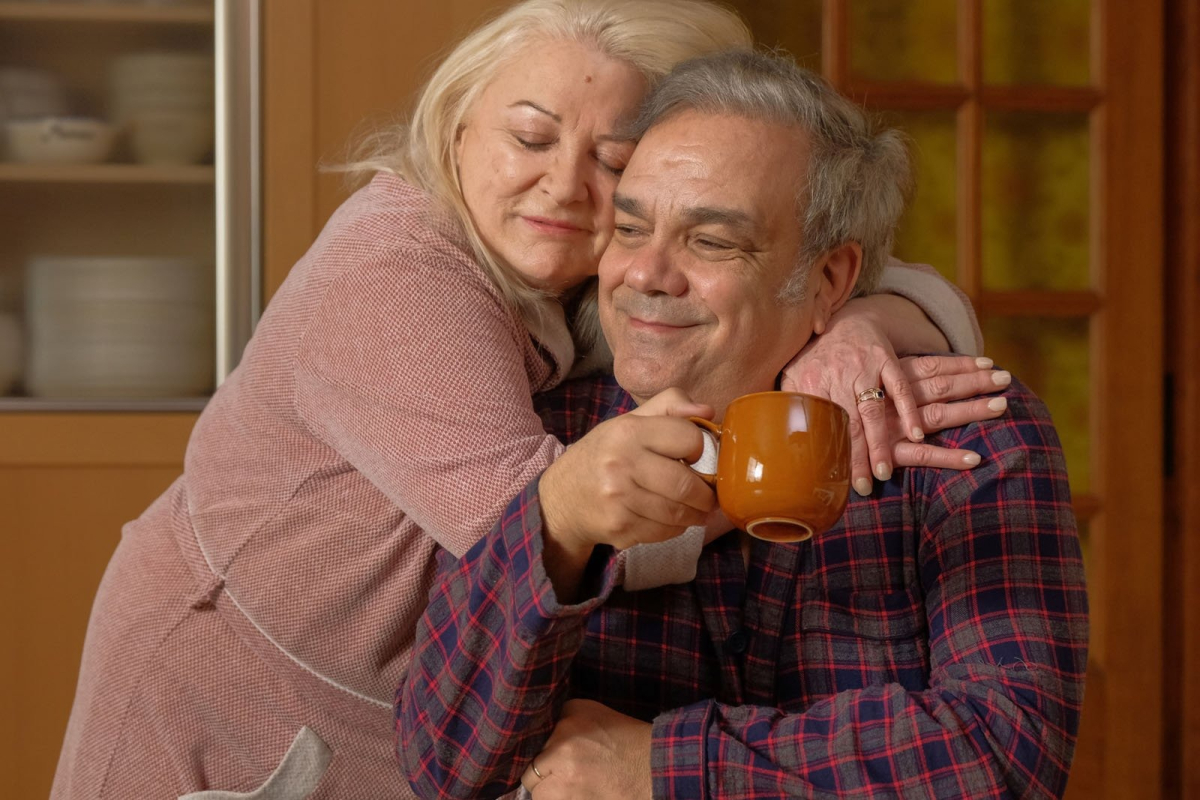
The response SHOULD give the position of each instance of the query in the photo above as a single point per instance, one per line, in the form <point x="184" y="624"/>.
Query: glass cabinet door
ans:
<point x="1031" y="122"/>
<point x="110" y="251"/>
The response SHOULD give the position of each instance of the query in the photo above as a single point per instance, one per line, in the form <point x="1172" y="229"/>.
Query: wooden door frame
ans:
<point x="1181" y="286"/>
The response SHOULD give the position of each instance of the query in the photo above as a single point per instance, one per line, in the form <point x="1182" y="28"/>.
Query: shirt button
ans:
<point x="737" y="642"/>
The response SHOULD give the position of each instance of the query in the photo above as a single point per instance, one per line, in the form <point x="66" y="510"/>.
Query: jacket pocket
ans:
<point x="295" y="778"/>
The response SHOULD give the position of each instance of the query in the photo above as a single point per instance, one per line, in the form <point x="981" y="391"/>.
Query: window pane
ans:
<point x="1036" y="42"/>
<point x="1051" y="357"/>
<point x="927" y="233"/>
<point x="1035" y="201"/>
<point x="899" y="40"/>
<point x="794" y="25"/>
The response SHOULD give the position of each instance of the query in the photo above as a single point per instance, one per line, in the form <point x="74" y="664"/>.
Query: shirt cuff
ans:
<point x="679" y="752"/>
<point x="538" y="609"/>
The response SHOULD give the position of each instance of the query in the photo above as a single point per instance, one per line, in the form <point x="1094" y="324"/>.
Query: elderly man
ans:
<point x="932" y="644"/>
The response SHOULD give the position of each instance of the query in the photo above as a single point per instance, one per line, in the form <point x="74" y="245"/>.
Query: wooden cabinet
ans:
<point x="95" y="245"/>
<point x="68" y="482"/>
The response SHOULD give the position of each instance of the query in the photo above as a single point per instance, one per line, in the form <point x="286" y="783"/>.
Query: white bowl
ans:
<point x="59" y="140"/>
<point x="27" y="93"/>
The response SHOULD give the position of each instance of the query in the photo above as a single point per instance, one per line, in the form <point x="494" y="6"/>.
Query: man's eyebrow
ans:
<point x="536" y="107"/>
<point x="709" y="215"/>
<point x="629" y="206"/>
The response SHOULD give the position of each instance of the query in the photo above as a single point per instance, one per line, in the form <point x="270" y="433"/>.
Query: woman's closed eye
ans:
<point x="613" y="169"/>
<point x="534" y="143"/>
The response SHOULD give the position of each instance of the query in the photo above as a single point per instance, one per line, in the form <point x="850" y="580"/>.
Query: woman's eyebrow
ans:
<point x="536" y="107"/>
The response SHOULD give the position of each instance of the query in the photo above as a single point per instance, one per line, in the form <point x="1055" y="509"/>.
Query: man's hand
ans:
<point x="595" y="753"/>
<point x="624" y="483"/>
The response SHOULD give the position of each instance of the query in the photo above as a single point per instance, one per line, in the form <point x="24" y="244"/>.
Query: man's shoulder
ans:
<point x="1021" y="442"/>
<point x="1026" y="422"/>
<point x="574" y="407"/>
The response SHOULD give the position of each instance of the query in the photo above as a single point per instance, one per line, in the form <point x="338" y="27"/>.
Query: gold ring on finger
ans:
<point x="870" y="394"/>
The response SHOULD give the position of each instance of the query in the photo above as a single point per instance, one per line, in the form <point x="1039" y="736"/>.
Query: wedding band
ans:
<point x="870" y="394"/>
<point x="537" y="771"/>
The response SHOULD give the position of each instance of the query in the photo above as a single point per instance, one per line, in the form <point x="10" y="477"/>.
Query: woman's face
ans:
<point x="539" y="158"/>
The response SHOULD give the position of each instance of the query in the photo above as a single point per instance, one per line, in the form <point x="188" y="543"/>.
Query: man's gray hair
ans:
<point x="858" y="177"/>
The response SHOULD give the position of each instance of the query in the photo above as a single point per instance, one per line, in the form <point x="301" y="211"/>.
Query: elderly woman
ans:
<point x="254" y="623"/>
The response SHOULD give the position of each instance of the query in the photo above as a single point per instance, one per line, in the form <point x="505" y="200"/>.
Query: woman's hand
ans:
<point x="856" y="355"/>
<point x="947" y="390"/>
<point x="852" y="355"/>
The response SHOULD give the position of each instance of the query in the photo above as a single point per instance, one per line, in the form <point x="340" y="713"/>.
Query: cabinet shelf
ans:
<point x="83" y="404"/>
<point x="107" y="173"/>
<point x="99" y="12"/>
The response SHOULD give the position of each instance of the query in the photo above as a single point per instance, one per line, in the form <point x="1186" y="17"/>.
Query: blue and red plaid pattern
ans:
<point x="933" y="644"/>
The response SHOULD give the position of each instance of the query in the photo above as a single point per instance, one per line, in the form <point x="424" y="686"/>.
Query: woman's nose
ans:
<point x="566" y="178"/>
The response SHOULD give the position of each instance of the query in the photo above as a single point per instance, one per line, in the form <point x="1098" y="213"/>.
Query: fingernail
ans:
<point x="863" y="487"/>
<point x="918" y="434"/>
<point x="883" y="471"/>
<point x="998" y="403"/>
<point x="1001" y="378"/>
<point x="972" y="459"/>
<point x="984" y="363"/>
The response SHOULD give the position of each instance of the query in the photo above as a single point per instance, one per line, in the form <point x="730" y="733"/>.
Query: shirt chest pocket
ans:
<point x="851" y="640"/>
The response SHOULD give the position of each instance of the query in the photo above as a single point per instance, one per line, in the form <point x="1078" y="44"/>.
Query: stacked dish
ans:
<point x="29" y="94"/>
<point x="119" y="327"/>
<point x="166" y="102"/>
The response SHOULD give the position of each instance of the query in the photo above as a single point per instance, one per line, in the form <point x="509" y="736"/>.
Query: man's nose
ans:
<point x="652" y="269"/>
<point x="566" y="178"/>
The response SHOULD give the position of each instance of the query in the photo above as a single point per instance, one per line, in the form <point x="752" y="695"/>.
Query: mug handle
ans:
<point x="711" y="427"/>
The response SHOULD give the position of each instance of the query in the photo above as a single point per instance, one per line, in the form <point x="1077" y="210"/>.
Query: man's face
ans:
<point x="707" y="233"/>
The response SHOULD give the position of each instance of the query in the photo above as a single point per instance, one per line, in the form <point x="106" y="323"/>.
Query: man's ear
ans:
<point x="836" y="274"/>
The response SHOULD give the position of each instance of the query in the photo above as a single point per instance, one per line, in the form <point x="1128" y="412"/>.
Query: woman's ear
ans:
<point x="837" y="275"/>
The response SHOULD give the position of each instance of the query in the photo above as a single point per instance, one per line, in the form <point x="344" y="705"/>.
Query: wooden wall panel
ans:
<point x="1181" y="669"/>
<point x="1129" y="378"/>
<point x="332" y="68"/>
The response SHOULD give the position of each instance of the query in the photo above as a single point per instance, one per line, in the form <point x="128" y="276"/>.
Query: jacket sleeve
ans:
<point x="416" y="375"/>
<point x="491" y="663"/>
<point x="1007" y="615"/>
<point x="944" y="303"/>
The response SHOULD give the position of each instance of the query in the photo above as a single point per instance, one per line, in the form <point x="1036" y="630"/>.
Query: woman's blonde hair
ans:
<point x="650" y="35"/>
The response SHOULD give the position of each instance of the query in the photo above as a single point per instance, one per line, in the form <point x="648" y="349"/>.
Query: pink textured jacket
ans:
<point x="254" y="624"/>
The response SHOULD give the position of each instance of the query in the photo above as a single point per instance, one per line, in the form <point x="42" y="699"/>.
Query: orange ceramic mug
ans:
<point x="783" y="468"/>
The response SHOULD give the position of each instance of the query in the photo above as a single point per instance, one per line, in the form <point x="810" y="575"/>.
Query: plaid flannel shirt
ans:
<point x="932" y="644"/>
